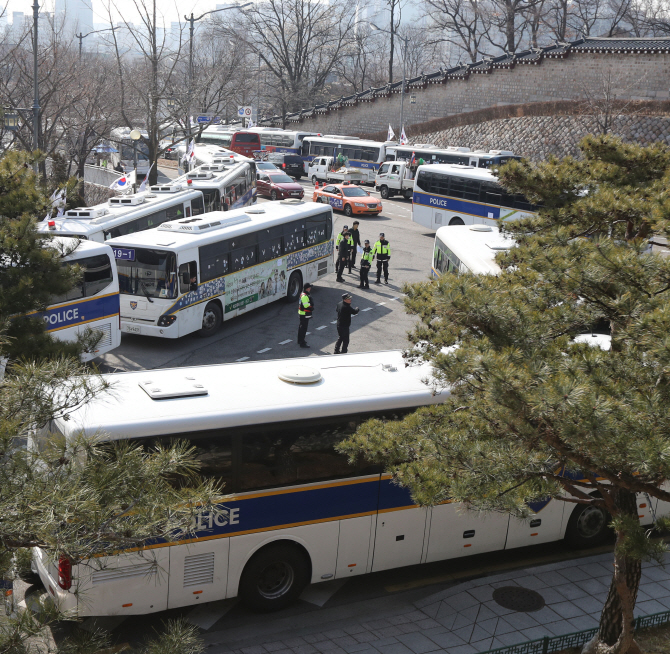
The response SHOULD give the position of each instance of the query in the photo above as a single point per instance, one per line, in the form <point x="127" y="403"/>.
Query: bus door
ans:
<point x="189" y="320"/>
<point x="454" y="531"/>
<point x="400" y="533"/>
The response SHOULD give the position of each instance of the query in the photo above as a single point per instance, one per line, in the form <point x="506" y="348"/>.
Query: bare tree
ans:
<point x="299" y="43"/>
<point x="359" y="64"/>
<point x="462" y="23"/>
<point x="395" y="16"/>
<point x="603" y="106"/>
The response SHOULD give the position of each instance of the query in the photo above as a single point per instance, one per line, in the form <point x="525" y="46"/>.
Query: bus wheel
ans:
<point x="314" y="180"/>
<point x="211" y="319"/>
<point x="456" y="221"/>
<point x="347" y="210"/>
<point x="294" y="287"/>
<point x="588" y="526"/>
<point x="274" y="577"/>
<point x="384" y="192"/>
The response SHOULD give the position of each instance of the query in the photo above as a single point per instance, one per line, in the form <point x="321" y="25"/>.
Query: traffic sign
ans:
<point x="245" y="112"/>
<point x="203" y="119"/>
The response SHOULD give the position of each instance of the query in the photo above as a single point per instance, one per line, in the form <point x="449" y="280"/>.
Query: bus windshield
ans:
<point x="145" y="272"/>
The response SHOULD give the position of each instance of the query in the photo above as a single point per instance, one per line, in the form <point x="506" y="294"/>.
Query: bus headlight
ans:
<point x="166" y="321"/>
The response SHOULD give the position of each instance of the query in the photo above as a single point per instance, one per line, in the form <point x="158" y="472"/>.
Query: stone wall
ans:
<point x="536" y="137"/>
<point x="633" y="76"/>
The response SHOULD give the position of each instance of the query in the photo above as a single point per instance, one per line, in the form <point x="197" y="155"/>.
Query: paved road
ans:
<point x="263" y="334"/>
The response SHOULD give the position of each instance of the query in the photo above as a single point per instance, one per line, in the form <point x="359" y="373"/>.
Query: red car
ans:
<point x="277" y="186"/>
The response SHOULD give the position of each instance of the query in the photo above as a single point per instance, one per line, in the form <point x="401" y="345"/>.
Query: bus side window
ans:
<point x="283" y="457"/>
<point x="97" y="274"/>
<point x="197" y="206"/>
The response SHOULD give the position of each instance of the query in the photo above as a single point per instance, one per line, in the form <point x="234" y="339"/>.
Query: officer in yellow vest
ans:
<point x="382" y="250"/>
<point x="305" y="308"/>
<point x="366" y="264"/>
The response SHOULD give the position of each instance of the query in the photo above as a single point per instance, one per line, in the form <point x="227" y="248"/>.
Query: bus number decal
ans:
<point x="125" y="254"/>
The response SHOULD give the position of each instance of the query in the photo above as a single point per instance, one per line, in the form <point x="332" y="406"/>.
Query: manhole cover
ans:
<point x="519" y="599"/>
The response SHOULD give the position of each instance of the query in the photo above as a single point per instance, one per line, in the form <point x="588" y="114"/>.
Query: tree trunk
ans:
<point x="615" y="632"/>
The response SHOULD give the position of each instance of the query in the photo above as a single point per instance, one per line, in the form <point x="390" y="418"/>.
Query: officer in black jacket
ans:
<point x="356" y="238"/>
<point x="344" y="313"/>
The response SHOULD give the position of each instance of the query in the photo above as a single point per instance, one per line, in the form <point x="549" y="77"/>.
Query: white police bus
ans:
<point x="225" y="185"/>
<point x="126" y="214"/>
<point x="296" y="511"/>
<point x="431" y="154"/>
<point x="468" y="248"/>
<point x="453" y="194"/>
<point x="189" y="275"/>
<point x="92" y="304"/>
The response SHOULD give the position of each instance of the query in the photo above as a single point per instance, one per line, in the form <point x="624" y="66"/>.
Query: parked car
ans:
<point x="291" y="164"/>
<point x="264" y="165"/>
<point x="277" y="186"/>
<point x="348" y="198"/>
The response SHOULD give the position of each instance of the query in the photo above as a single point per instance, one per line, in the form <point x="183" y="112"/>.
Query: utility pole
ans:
<point x="192" y="20"/>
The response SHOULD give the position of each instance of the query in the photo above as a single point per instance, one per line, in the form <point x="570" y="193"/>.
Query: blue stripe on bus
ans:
<point x="454" y="204"/>
<point x="245" y="199"/>
<point x="85" y="310"/>
<point x="283" y="508"/>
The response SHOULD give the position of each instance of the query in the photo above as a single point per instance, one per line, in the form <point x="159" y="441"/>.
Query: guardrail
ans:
<point x="550" y="644"/>
<point x="100" y="176"/>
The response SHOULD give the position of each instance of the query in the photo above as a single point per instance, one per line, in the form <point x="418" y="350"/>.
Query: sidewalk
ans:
<point x="465" y="618"/>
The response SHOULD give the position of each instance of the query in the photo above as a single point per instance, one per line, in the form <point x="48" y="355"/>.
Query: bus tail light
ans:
<point x="52" y="224"/>
<point x="64" y="573"/>
<point x="283" y="165"/>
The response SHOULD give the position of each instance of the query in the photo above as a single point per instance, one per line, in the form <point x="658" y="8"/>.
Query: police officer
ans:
<point x="366" y="264"/>
<point x="343" y="247"/>
<point x="382" y="250"/>
<point x="344" y="313"/>
<point x="305" y="308"/>
<point x="356" y="243"/>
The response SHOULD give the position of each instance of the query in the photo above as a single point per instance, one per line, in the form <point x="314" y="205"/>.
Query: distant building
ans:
<point x="75" y="16"/>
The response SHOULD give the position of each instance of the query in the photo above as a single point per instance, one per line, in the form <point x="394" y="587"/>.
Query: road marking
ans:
<point x="242" y="359"/>
<point x="308" y="333"/>
<point x="207" y="615"/>
<point x="265" y="349"/>
<point x="368" y="309"/>
<point x="333" y="322"/>
<point x="319" y="594"/>
<point x="322" y="327"/>
<point x="381" y="304"/>
<point x="288" y="340"/>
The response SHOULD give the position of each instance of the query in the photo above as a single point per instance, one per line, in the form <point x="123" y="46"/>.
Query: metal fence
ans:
<point x="557" y="643"/>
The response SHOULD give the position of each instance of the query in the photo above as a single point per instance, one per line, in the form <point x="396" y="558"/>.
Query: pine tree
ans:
<point x="31" y="272"/>
<point x="531" y="414"/>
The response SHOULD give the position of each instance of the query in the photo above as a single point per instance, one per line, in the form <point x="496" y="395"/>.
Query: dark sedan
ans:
<point x="277" y="186"/>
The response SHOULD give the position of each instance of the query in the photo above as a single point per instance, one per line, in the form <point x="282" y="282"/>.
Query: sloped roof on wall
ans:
<point x="487" y="65"/>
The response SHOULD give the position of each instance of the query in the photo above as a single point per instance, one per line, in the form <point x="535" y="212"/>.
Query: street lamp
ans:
<point x="405" y="42"/>
<point x="36" y="91"/>
<point x="192" y="20"/>
<point x="135" y="136"/>
<point x="10" y="120"/>
<point x="81" y="37"/>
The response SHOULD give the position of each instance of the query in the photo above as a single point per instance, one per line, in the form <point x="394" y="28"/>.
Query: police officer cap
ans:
<point x="345" y="227"/>
<point x="346" y="296"/>
<point x="306" y="286"/>
<point x="382" y="234"/>
<point x="366" y="240"/>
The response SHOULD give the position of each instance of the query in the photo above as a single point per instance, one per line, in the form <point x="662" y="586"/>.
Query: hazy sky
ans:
<point x="126" y="7"/>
